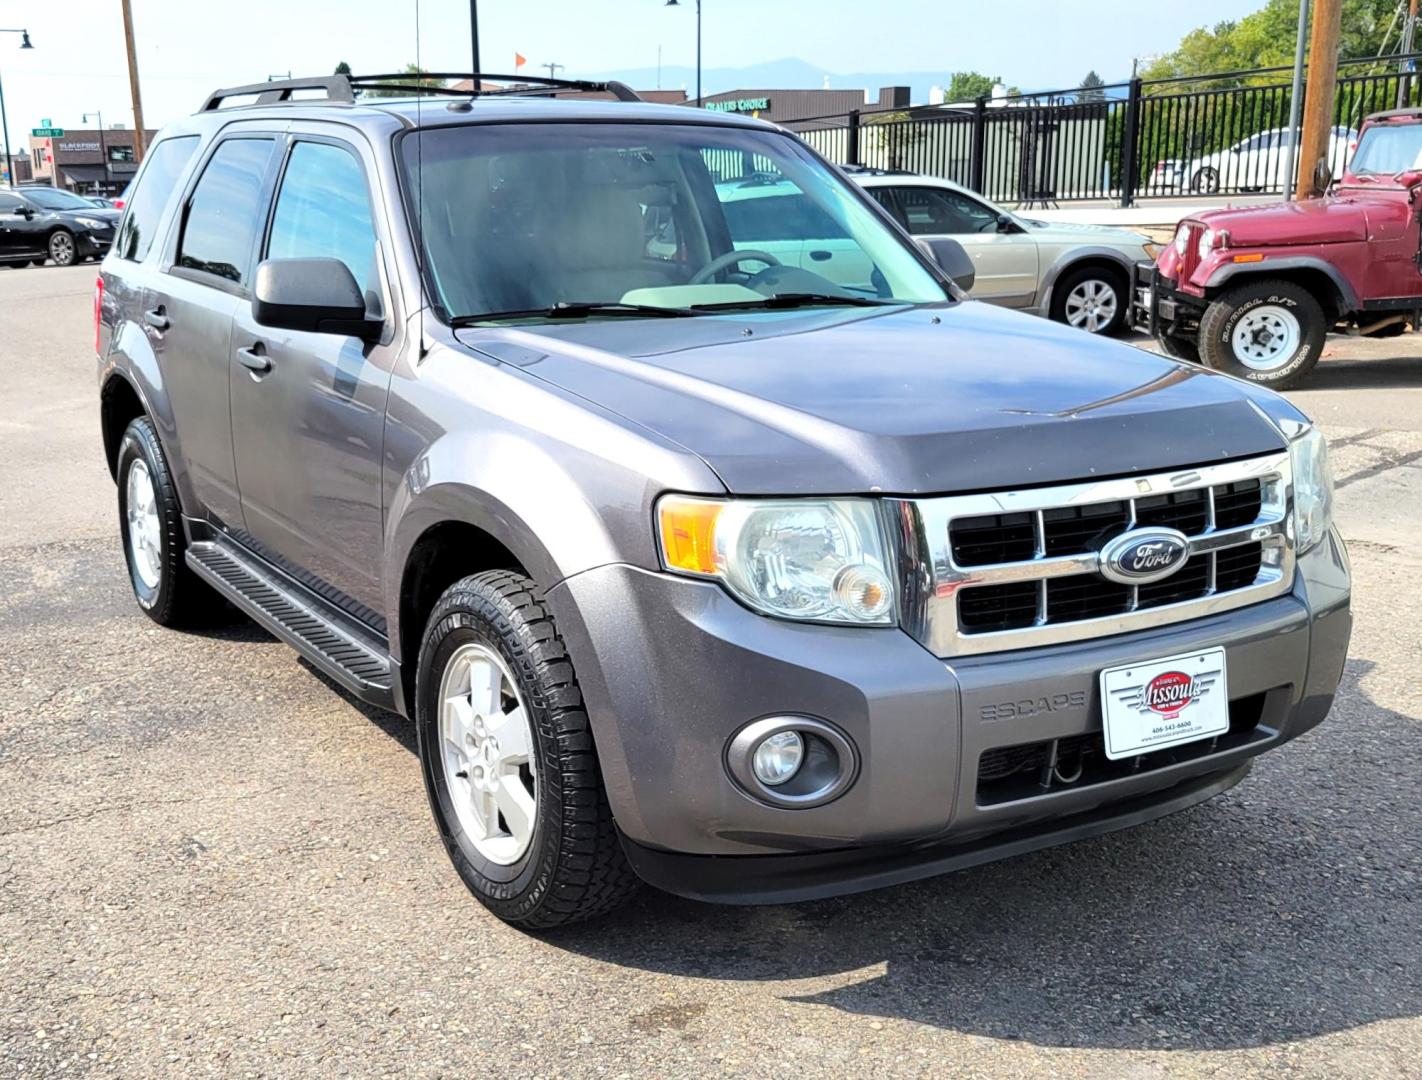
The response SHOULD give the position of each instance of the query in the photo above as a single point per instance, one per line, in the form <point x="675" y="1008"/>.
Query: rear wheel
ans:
<point x="508" y="758"/>
<point x="1206" y="181"/>
<point x="1269" y="332"/>
<point x="151" y="524"/>
<point x="1091" y="298"/>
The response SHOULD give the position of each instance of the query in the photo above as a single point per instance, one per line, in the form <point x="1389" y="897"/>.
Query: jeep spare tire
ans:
<point x="1269" y="331"/>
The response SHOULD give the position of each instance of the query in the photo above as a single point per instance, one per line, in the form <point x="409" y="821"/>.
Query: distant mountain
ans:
<point x="791" y="73"/>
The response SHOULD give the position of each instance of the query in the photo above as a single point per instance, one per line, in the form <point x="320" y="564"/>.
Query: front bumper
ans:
<point x="89" y="244"/>
<point x="671" y="668"/>
<point x="1158" y="308"/>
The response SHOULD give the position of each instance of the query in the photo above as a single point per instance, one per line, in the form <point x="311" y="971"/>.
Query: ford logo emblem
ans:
<point x="1141" y="556"/>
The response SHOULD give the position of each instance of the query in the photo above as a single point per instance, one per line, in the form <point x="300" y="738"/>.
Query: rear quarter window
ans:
<point x="143" y="212"/>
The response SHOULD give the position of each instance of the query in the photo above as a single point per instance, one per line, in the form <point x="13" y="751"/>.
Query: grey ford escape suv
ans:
<point x="689" y="563"/>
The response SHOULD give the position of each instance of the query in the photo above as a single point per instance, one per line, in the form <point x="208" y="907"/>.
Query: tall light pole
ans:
<point x="674" y="3"/>
<point x="4" y="120"/>
<point x="1296" y="101"/>
<point x="103" y="153"/>
<point x="474" y="42"/>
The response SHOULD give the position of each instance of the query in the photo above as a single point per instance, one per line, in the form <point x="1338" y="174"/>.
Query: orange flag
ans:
<point x="519" y="61"/>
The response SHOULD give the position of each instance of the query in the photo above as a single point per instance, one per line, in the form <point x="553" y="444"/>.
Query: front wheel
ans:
<point x="1091" y="299"/>
<point x="508" y="758"/>
<point x="1270" y="332"/>
<point x="62" y="249"/>
<point x="1178" y="348"/>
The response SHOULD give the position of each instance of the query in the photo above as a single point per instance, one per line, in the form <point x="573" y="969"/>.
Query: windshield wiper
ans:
<point x="799" y="299"/>
<point x="567" y="309"/>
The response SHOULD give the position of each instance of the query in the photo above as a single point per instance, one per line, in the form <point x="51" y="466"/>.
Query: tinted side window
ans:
<point x="930" y="211"/>
<point x="323" y="210"/>
<point x="223" y="214"/>
<point x="144" y="210"/>
<point x="10" y="203"/>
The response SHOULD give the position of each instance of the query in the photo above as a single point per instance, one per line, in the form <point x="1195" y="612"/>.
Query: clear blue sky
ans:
<point x="188" y="47"/>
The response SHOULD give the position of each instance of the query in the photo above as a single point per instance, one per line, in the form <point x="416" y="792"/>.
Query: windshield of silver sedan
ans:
<point x="595" y="220"/>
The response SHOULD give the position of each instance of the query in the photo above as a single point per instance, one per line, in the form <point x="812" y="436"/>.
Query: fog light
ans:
<point x="778" y="758"/>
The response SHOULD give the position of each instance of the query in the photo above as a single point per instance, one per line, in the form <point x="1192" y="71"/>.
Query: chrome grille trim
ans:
<point x="932" y="580"/>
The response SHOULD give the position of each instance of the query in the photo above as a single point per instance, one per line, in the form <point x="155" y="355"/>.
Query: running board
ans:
<point x="357" y="663"/>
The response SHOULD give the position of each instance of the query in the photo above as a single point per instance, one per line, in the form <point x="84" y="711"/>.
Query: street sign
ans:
<point x="47" y="133"/>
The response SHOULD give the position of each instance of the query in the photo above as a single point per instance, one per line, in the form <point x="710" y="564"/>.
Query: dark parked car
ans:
<point x="38" y="223"/>
<point x="689" y="563"/>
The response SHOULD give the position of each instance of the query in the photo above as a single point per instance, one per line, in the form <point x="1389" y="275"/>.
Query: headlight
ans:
<point x="1313" y="489"/>
<point x="92" y="223"/>
<point x="1207" y="241"/>
<point x="1182" y="239"/>
<point x="817" y="560"/>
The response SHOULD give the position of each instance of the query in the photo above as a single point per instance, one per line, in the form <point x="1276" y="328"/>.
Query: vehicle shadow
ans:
<point x="1285" y="909"/>
<point x="1401" y="370"/>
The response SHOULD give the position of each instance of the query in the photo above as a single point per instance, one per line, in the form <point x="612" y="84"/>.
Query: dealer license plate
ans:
<point x="1166" y="702"/>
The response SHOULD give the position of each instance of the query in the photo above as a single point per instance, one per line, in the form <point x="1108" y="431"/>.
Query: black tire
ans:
<point x="1179" y="348"/>
<point x="1223" y="316"/>
<point x="573" y="868"/>
<point x="178" y="595"/>
<point x="1116" y="280"/>
<point x="1206" y="181"/>
<point x="63" y="251"/>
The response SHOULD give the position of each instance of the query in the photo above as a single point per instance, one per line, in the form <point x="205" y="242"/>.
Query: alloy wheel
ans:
<point x="145" y="530"/>
<point x="1266" y="338"/>
<point x="1091" y="306"/>
<point x="61" y="248"/>
<point x="486" y="747"/>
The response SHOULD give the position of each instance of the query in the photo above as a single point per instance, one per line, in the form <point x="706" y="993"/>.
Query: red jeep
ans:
<point x="1253" y="291"/>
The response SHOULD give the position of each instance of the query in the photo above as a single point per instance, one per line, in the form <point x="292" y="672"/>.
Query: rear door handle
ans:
<point x="255" y="359"/>
<point x="157" y="318"/>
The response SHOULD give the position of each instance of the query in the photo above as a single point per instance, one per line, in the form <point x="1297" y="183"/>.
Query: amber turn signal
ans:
<point x="688" y="531"/>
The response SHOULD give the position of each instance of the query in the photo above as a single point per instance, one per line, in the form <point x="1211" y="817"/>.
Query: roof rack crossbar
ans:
<point x="337" y="88"/>
<point x="524" y="83"/>
<point x="343" y="88"/>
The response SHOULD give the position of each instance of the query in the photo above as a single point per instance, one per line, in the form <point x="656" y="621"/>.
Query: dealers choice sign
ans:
<point x="750" y="105"/>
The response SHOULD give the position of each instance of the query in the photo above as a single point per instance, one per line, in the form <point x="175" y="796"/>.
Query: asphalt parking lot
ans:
<point x="211" y="862"/>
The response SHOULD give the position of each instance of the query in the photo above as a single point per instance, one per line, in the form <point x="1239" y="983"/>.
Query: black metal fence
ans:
<point x="1214" y="134"/>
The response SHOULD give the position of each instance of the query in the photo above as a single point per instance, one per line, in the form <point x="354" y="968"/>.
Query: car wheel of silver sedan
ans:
<point x="1091" y="305"/>
<point x="1091" y="298"/>
<point x="508" y="757"/>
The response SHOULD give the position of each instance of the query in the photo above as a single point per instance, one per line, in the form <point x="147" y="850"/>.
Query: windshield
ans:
<point x="518" y="219"/>
<point x="1387" y="149"/>
<point x="54" y="199"/>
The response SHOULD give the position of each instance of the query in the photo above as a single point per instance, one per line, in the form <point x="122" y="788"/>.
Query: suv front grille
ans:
<point x="1075" y="530"/>
<point x="1017" y="568"/>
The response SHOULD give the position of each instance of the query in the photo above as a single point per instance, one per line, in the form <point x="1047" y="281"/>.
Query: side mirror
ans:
<point x="24" y="212"/>
<point x="1322" y="175"/>
<point x="953" y="259"/>
<point x="318" y="295"/>
<point x="1005" y="224"/>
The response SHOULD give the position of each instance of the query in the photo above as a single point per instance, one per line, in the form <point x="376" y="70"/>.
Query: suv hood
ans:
<point x="948" y="398"/>
<point x="1331" y="220"/>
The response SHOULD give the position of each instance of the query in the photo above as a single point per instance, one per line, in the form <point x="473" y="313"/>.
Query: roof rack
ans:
<point x="343" y="88"/>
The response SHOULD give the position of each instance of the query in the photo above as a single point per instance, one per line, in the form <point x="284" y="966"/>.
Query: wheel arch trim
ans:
<point x="1073" y="258"/>
<point x="1233" y="273"/>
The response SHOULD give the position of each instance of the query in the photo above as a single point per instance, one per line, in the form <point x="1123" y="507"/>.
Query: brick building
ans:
<point x="89" y="161"/>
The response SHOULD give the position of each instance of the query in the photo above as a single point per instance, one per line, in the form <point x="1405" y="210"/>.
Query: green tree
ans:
<point x="342" y="68"/>
<point x="415" y="78"/>
<point x="1091" y="86"/>
<point x="1265" y="38"/>
<point x="969" y="85"/>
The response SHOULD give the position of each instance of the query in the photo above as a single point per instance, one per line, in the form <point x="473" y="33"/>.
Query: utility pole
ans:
<point x="1318" y="94"/>
<point x="139" y="131"/>
<point x="1296" y="101"/>
<point x="553" y="69"/>
<point x="474" y="42"/>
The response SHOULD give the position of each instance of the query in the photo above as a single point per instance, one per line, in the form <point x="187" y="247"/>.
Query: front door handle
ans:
<point x="255" y="359"/>
<point x="157" y="318"/>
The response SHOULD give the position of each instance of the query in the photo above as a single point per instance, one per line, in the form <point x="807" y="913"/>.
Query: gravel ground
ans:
<point x="213" y="862"/>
